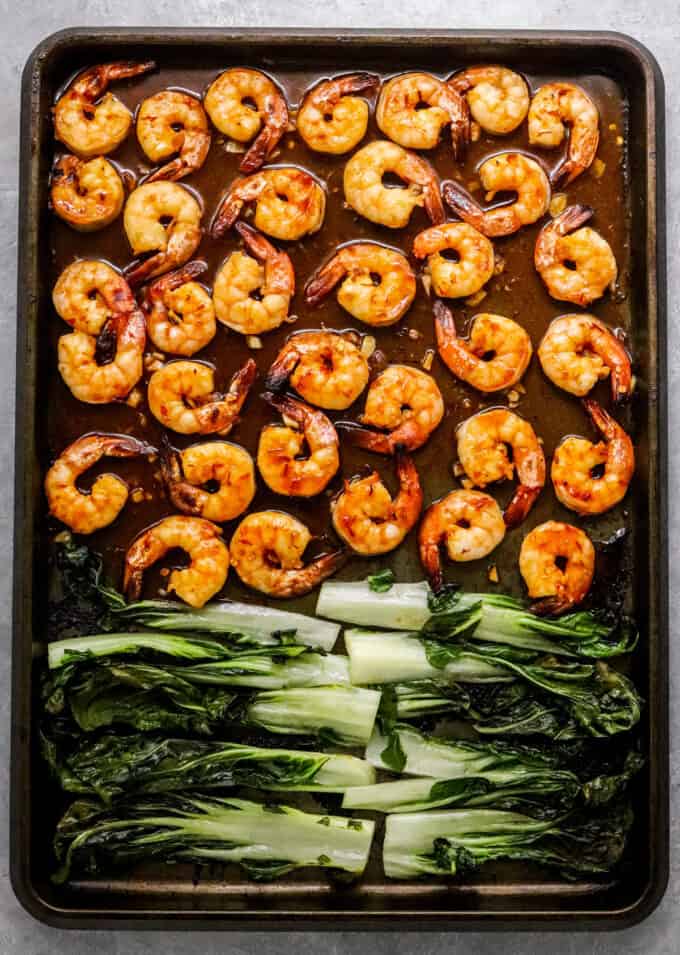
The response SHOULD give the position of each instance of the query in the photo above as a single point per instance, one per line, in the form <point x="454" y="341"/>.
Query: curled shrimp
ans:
<point x="507" y="172"/>
<point x="498" y="98"/>
<point x="391" y="207"/>
<point x="557" y="562"/>
<point x="171" y="123"/>
<point x="465" y="275"/>
<point x="555" y="108"/>
<point x="88" y="294"/>
<point x="495" y="355"/>
<point x="86" y="512"/>
<point x="576" y="264"/>
<point x="182" y="397"/>
<point x="369" y="519"/>
<point x="577" y="351"/>
<point x="592" y="478"/>
<point x="267" y="272"/>
<point x="163" y="218"/>
<point x="376" y="283"/>
<point x="267" y="550"/>
<point x="414" y="108"/>
<point x="280" y="454"/>
<point x="405" y="404"/>
<point x="226" y="468"/>
<point x="326" y="368"/>
<point x="180" y="317"/>
<point x="469" y="523"/>
<point x="246" y="105"/>
<point x="87" y="119"/>
<point x="200" y="539"/>
<point x="332" y="119"/>
<point x="483" y="443"/>
<point x="290" y="203"/>
<point x="86" y="194"/>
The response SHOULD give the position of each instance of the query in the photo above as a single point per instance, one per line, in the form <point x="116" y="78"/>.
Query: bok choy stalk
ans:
<point x="113" y="766"/>
<point x="458" y="841"/>
<point x="492" y="618"/>
<point x="267" y="840"/>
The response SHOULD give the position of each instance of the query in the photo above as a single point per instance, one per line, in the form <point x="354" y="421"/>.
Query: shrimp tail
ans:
<point x="324" y="280"/>
<point x="432" y="200"/>
<point x="183" y="496"/>
<point x="460" y="200"/>
<point x="571" y="219"/>
<point x="255" y="242"/>
<point x="242" y="381"/>
<point x="520" y="505"/>
<point x="290" y="407"/>
<point x="366" y="438"/>
<point x="132" y="581"/>
<point x="359" y="83"/>
<point x="444" y="322"/>
<point x="429" y="544"/>
<point x="281" y="370"/>
<point x="461" y="131"/>
<point x="273" y="127"/>
<point x="93" y="82"/>
<point x="551" y="606"/>
<point x="227" y="213"/>
<point x="177" y="278"/>
<point x="138" y="272"/>
<point x="171" y="171"/>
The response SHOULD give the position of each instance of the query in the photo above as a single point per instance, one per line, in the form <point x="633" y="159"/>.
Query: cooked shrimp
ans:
<point x="86" y="512"/>
<point x="404" y="402"/>
<point x="414" y="108"/>
<point x="200" y="539"/>
<point x="180" y="317"/>
<point x="171" y="123"/>
<point x="556" y="107"/>
<point x="182" y="397"/>
<point x="89" y="120"/>
<point x="469" y="523"/>
<point x="186" y="474"/>
<point x="507" y="172"/>
<point x="465" y="275"/>
<point x="267" y="272"/>
<point x="280" y="454"/>
<point x="333" y="120"/>
<point x="88" y="293"/>
<point x="290" y="203"/>
<point x="576" y="266"/>
<point x="163" y="218"/>
<point x="369" y="519"/>
<point x="495" y="355"/>
<point x="88" y="195"/>
<point x="577" y="351"/>
<point x="592" y="478"/>
<point x="385" y="205"/>
<point x="557" y="562"/>
<point x="326" y="368"/>
<point x="498" y="97"/>
<point x="246" y="105"/>
<point x="484" y="441"/>
<point x="377" y="284"/>
<point x="267" y="549"/>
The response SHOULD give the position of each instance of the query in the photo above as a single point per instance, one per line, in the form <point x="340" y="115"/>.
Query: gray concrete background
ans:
<point x="25" y="23"/>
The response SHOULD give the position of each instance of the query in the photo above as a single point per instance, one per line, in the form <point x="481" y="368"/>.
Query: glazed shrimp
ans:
<point x="87" y="119"/>
<point x="369" y="519"/>
<point x="88" y="294"/>
<point x="163" y="218"/>
<point x="414" y="108"/>
<point x="326" y="368"/>
<point x="280" y="458"/>
<point x="88" y="195"/>
<point x="391" y="207"/>
<point x="267" y="550"/>
<point x="405" y="404"/>
<point x="182" y="397"/>
<point x="469" y="272"/>
<point x="507" y="172"/>
<point x="469" y="523"/>
<point x="495" y="355"/>
<point x="483" y="443"/>
<point x="331" y="118"/>
<point x="267" y="272"/>
<point x="220" y="463"/>
<point x="290" y="203"/>
<point x="86" y="512"/>
<point x="171" y="123"/>
<point x="576" y="264"/>
<point x="557" y="562"/>
<point x="577" y="351"/>
<point x="180" y="317"/>
<point x="498" y="98"/>
<point x="246" y="105"/>
<point x="200" y="539"/>
<point x="556" y="107"/>
<point x="592" y="478"/>
<point x="377" y="284"/>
